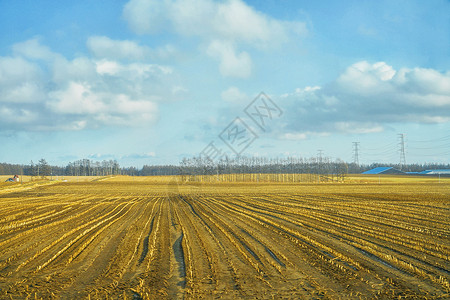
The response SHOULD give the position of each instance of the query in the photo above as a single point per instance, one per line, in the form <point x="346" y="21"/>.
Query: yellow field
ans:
<point x="160" y="238"/>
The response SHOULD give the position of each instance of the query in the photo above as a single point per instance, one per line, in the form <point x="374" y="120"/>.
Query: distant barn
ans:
<point x="384" y="170"/>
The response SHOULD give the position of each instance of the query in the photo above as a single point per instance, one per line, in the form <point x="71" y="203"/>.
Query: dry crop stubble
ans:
<point x="136" y="238"/>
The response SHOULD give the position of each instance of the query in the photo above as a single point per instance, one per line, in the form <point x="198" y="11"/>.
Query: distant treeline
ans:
<point x="203" y="166"/>
<point x="83" y="167"/>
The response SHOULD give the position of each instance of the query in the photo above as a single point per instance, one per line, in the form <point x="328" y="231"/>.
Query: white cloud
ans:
<point x="224" y="26"/>
<point x="33" y="49"/>
<point x="79" y="69"/>
<point x="234" y="95"/>
<point x="190" y="17"/>
<point x="366" y="78"/>
<point x="104" y="47"/>
<point x="425" y="81"/>
<point x="20" y="81"/>
<point x="231" y="63"/>
<point x="118" y="98"/>
<point x="102" y="107"/>
<point x="15" y="70"/>
<point x="139" y="155"/>
<point x="307" y="89"/>
<point x="145" y="16"/>
<point x="76" y="98"/>
<point x="122" y="104"/>
<point x="107" y="67"/>
<point x="358" y="127"/>
<point x="18" y="116"/>
<point x="235" y="20"/>
<point x="294" y="136"/>
<point x="27" y="92"/>
<point x="76" y="125"/>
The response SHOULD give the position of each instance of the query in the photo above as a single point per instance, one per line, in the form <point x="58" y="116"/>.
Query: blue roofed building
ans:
<point x="392" y="171"/>
<point x="383" y="170"/>
<point x="436" y="172"/>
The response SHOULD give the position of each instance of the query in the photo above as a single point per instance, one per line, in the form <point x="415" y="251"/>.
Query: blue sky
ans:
<point x="151" y="82"/>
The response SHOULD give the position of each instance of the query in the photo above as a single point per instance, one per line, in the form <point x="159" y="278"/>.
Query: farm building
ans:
<point x="392" y="171"/>
<point x="435" y="172"/>
<point x="13" y="179"/>
<point x="383" y="170"/>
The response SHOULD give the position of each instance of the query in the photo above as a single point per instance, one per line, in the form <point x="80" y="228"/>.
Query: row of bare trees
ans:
<point x="326" y="167"/>
<point x="87" y="167"/>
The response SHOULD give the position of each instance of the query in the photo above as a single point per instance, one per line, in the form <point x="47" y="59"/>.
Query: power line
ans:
<point x="444" y="138"/>
<point x="385" y="152"/>
<point x="430" y="154"/>
<point x="390" y="146"/>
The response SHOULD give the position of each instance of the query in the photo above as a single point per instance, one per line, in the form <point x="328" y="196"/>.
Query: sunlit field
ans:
<point x="125" y="237"/>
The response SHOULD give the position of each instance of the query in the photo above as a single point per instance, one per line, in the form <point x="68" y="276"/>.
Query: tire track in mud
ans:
<point x="210" y="270"/>
<point x="228" y="280"/>
<point x="152" y="281"/>
<point x="145" y="243"/>
<point x="270" y="252"/>
<point x="177" y="278"/>
<point x="179" y="258"/>
<point x="204" y="262"/>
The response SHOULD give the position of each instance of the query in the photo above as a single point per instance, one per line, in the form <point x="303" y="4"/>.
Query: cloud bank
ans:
<point x="43" y="90"/>
<point x="366" y="98"/>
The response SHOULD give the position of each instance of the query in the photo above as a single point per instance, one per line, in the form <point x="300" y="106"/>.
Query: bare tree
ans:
<point x="44" y="168"/>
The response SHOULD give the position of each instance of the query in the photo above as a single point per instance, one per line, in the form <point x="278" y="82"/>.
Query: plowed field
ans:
<point x="126" y="238"/>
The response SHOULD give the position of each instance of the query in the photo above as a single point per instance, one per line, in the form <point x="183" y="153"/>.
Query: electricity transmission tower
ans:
<point x="319" y="155"/>
<point x="401" y="145"/>
<point x="356" y="153"/>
